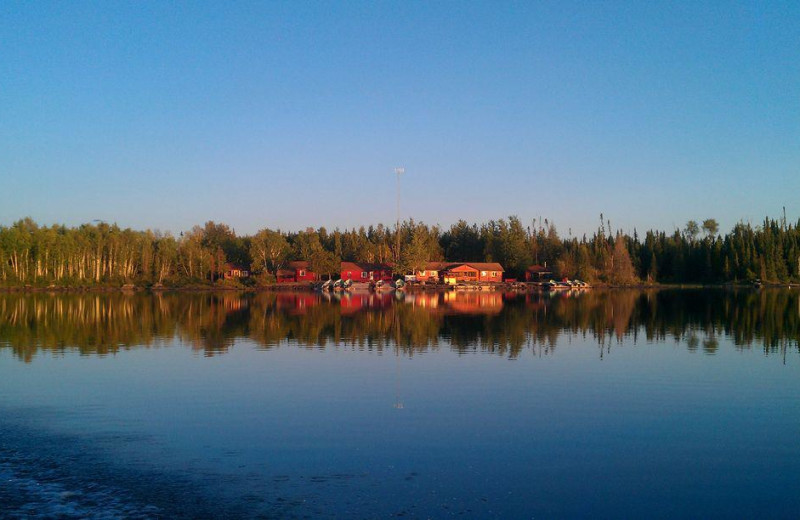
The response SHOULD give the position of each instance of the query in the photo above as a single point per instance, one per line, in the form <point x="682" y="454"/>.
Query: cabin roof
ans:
<point x="537" y="269"/>
<point x="364" y="266"/>
<point x="436" y="266"/>
<point x="478" y="266"/>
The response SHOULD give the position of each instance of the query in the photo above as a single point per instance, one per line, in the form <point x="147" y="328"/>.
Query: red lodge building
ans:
<point x="431" y="272"/>
<point x="537" y="273"/>
<point x="235" y="271"/>
<point x="296" y="271"/>
<point x="364" y="272"/>
<point x="473" y="272"/>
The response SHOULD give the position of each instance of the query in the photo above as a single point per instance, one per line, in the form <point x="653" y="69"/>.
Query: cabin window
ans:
<point x="424" y="273"/>
<point x="302" y="273"/>
<point x="494" y="273"/>
<point x="364" y="274"/>
<point x="483" y="273"/>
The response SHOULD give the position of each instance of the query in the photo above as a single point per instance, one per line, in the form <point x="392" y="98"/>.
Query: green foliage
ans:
<point x="105" y="255"/>
<point x="463" y="242"/>
<point x="419" y="245"/>
<point x="711" y="227"/>
<point x="322" y="261"/>
<point x="269" y="250"/>
<point x="691" y="230"/>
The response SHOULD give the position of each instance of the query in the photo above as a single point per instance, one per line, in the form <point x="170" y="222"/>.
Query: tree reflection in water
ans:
<point x="505" y="324"/>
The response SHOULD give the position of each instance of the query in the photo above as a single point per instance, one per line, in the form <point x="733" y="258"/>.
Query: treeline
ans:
<point x="100" y="254"/>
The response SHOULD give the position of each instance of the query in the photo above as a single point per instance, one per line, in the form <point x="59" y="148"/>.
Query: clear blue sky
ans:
<point x="167" y="114"/>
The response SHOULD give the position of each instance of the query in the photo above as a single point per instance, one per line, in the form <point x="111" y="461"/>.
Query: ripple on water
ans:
<point x="44" y="475"/>
<point x="39" y="492"/>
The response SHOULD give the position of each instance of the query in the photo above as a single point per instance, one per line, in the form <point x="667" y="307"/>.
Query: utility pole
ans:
<point x="399" y="172"/>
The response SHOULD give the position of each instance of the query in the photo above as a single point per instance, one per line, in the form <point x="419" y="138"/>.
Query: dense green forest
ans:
<point x="106" y="255"/>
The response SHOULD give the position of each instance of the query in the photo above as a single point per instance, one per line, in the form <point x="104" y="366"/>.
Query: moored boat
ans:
<point x="324" y="286"/>
<point x="381" y="286"/>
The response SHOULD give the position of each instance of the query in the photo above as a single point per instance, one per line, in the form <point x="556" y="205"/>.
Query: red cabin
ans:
<point x="474" y="272"/>
<point x="296" y="271"/>
<point x="364" y="272"/>
<point x="235" y="271"/>
<point x="537" y="273"/>
<point x="431" y="272"/>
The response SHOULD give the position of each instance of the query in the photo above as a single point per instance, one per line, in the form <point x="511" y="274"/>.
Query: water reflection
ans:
<point x="501" y="323"/>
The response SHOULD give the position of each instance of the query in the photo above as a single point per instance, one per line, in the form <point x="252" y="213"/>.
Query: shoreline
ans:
<point x="296" y="287"/>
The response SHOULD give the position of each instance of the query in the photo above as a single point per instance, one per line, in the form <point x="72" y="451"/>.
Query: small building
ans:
<point x="537" y="273"/>
<point x="431" y="272"/>
<point x="485" y="272"/>
<point x="233" y="271"/>
<point x="365" y="272"/>
<point x="285" y="276"/>
<point x="296" y="271"/>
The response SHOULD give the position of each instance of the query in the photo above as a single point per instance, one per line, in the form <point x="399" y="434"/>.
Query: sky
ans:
<point x="165" y="115"/>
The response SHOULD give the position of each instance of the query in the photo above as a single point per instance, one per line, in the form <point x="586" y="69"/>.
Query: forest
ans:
<point x="104" y="255"/>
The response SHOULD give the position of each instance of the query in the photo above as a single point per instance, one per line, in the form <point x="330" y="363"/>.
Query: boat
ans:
<point x="381" y="286"/>
<point x="324" y="286"/>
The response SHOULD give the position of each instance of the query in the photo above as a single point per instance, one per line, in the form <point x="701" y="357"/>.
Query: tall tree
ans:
<point x="691" y="230"/>
<point x="622" y="271"/>
<point x="710" y="227"/>
<point x="269" y="250"/>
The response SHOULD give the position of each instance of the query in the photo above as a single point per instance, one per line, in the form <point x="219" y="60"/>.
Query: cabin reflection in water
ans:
<point x="499" y="323"/>
<point x="353" y="303"/>
<point x="458" y="302"/>
<point x="295" y="303"/>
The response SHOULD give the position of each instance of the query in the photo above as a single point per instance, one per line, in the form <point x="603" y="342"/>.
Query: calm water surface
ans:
<point x="435" y="405"/>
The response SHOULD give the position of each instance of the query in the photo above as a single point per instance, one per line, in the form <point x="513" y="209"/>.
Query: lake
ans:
<point x="602" y="404"/>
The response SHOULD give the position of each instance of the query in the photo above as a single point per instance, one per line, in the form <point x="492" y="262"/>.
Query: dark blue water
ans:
<point x="608" y="405"/>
